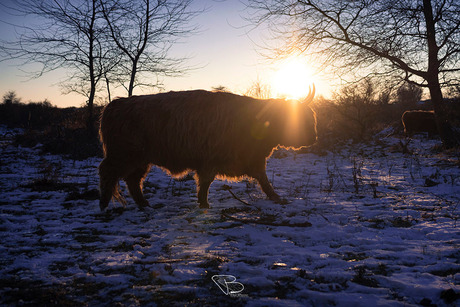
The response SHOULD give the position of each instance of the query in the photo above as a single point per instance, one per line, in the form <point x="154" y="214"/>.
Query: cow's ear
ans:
<point x="311" y="93"/>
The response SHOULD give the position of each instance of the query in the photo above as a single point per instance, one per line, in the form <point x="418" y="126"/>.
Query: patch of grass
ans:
<point x="402" y="222"/>
<point x="34" y="293"/>
<point x="211" y="264"/>
<point x="351" y="256"/>
<point x="449" y="296"/>
<point x="123" y="247"/>
<point x="446" y="272"/>
<point x="382" y="269"/>
<point x="363" y="278"/>
<point x="92" y="194"/>
<point x="179" y="298"/>
<point x="83" y="235"/>
<point x="252" y="261"/>
<point x="60" y="265"/>
<point x="82" y="286"/>
<point x="377" y="223"/>
<point x="48" y="185"/>
<point x="284" y="287"/>
<point x="49" y="179"/>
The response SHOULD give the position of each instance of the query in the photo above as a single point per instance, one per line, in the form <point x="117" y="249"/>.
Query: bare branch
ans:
<point x="355" y="35"/>
<point x="144" y="32"/>
<point x="418" y="38"/>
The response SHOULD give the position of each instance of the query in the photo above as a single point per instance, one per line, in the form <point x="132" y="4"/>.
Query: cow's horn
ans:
<point x="311" y="94"/>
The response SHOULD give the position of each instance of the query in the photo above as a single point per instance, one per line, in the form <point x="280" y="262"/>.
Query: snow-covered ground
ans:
<point x="364" y="225"/>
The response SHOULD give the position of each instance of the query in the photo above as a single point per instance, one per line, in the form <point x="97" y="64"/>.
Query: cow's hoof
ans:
<point x="275" y="198"/>
<point x="143" y="205"/>
<point x="103" y="206"/>
<point x="282" y="201"/>
<point x="204" y="205"/>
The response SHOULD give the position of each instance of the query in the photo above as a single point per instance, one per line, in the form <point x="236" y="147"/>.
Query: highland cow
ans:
<point x="214" y="134"/>
<point x="417" y="121"/>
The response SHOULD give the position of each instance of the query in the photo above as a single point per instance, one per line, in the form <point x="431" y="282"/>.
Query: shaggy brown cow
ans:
<point x="419" y="121"/>
<point x="211" y="133"/>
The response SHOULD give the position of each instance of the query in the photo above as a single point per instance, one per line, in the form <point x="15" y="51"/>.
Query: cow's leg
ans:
<point x="262" y="178"/>
<point x="108" y="183"/>
<point x="134" y="181"/>
<point x="203" y="181"/>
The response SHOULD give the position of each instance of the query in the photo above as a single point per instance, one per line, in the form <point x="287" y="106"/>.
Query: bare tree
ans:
<point x="259" y="90"/>
<point x="68" y="34"/>
<point x="356" y="104"/>
<point x="144" y="31"/>
<point x="10" y="98"/>
<point x="417" y="40"/>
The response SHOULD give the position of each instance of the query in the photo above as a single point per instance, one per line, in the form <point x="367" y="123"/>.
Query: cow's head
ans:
<point x="300" y="123"/>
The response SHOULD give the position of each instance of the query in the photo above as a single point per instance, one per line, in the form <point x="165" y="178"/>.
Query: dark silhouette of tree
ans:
<point x="144" y="31"/>
<point x="259" y="90"/>
<point x="67" y="34"/>
<point x="415" y="40"/>
<point x="356" y="103"/>
<point x="10" y="98"/>
<point x="409" y="94"/>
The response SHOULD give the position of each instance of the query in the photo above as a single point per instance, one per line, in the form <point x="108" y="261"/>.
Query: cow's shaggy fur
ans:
<point x="210" y="133"/>
<point x="417" y="121"/>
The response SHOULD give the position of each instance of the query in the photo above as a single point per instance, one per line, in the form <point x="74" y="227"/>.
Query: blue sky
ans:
<point x="224" y="49"/>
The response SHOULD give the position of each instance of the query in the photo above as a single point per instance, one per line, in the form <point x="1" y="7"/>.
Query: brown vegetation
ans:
<point x="58" y="130"/>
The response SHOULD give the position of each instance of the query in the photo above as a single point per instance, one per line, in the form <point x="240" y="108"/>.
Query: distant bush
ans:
<point x="357" y="123"/>
<point x="34" y="115"/>
<point x="76" y="143"/>
<point x="356" y="113"/>
<point x="11" y="97"/>
<point x="59" y="130"/>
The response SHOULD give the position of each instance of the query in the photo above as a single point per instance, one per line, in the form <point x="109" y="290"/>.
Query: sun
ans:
<point x="292" y="79"/>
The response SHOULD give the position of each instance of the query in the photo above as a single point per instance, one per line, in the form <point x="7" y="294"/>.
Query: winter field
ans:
<point x="364" y="225"/>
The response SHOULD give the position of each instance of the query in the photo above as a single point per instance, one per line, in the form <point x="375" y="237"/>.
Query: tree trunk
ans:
<point x="92" y="77"/>
<point x="91" y="121"/>
<point x="133" y="76"/>
<point x="107" y="83"/>
<point x="446" y="133"/>
<point x="448" y="136"/>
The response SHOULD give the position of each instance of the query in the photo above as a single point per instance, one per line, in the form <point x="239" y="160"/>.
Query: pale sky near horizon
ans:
<point x="223" y="49"/>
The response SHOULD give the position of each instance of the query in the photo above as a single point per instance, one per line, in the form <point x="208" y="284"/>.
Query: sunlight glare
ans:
<point x="292" y="79"/>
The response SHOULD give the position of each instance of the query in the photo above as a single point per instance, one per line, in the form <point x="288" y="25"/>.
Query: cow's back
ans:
<point x="179" y="130"/>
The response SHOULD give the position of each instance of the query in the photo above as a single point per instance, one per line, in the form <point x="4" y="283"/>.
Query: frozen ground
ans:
<point x="365" y="225"/>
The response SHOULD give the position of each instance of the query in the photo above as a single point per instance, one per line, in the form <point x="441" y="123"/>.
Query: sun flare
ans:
<point x="292" y="79"/>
